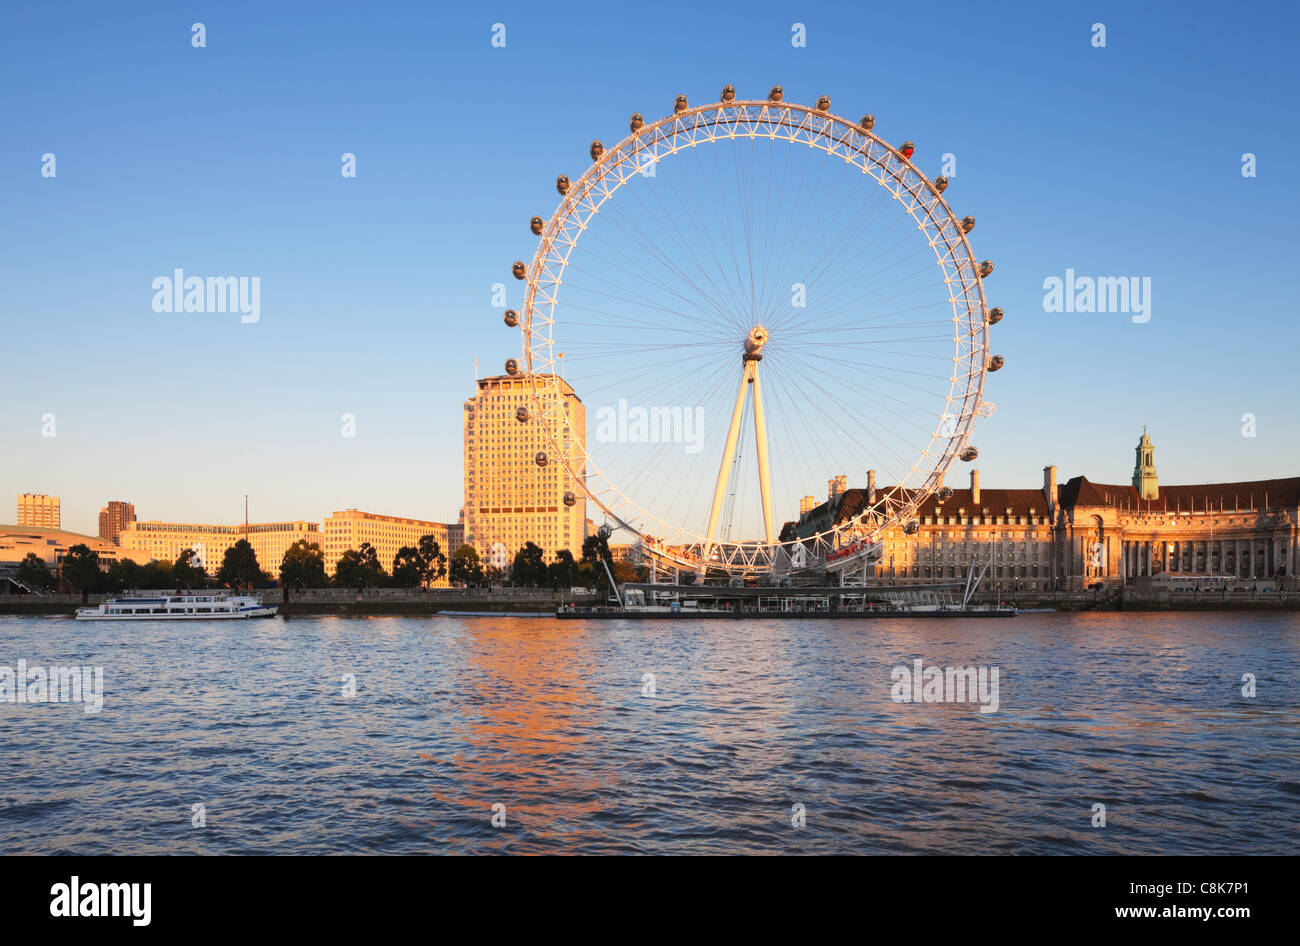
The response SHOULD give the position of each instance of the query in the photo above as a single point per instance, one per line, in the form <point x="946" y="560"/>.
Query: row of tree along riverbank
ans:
<point x="379" y="601"/>
<point x="347" y="601"/>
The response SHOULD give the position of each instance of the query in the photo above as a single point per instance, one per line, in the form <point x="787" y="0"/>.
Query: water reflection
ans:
<point x="1142" y="713"/>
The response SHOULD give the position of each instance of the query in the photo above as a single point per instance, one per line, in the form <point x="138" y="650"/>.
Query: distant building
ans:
<point x="167" y="540"/>
<point x="1082" y="534"/>
<point x="113" y="519"/>
<point x="509" y="498"/>
<point x="350" y="528"/>
<point x="39" y="511"/>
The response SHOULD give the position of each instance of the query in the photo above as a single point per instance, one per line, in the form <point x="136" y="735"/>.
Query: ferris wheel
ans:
<point x="758" y="304"/>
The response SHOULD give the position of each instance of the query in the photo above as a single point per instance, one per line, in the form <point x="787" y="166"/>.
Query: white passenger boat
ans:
<point x="191" y="606"/>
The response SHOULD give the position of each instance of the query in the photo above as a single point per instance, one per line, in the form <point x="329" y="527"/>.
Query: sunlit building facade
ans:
<point x="39" y="511"/>
<point x="509" y="498"/>
<point x="1081" y="535"/>
<point x="51" y="546"/>
<point x="165" y="541"/>
<point x="350" y="528"/>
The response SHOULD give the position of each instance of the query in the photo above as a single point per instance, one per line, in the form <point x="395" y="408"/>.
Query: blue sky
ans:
<point x="376" y="291"/>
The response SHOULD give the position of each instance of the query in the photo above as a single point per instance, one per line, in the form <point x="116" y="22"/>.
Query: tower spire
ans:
<point x="1144" y="469"/>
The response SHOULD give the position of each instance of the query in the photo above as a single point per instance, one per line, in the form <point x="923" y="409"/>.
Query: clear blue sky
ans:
<point x="376" y="291"/>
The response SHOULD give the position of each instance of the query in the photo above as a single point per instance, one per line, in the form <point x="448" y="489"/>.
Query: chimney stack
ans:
<point x="1049" y="489"/>
<point x="871" y="487"/>
<point x="807" y="504"/>
<point x="837" y="485"/>
<point x="975" y="486"/>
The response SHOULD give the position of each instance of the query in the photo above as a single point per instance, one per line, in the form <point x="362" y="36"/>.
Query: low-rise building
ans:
<point x="350" y="528"/>
<point x="165" y="541"/>
<point x="51" y="545"/>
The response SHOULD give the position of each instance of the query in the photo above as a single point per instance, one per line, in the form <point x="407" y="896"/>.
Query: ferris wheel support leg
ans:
<point x="728" y="457"/>
<point x="760" y="440"/>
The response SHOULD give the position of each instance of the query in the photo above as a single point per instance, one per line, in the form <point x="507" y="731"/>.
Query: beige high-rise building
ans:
<point x="167" y="540"/>
<point x="113" y="519"/>
<point x="39" y="511"/>
<point x="350" y="528"/>
<point x="509" y="498"/>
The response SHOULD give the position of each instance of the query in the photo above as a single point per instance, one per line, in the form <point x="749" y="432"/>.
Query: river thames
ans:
<point x="655" y="737"/>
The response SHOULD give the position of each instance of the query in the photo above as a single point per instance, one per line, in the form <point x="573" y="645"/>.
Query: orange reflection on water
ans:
<point x="525" y="711"/>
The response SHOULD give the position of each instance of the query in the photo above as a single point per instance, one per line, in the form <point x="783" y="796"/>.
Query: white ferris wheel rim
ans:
<point x="755" y="120"/>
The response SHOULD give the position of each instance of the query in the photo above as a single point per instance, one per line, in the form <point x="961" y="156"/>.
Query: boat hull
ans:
<point x="226" y="616"/>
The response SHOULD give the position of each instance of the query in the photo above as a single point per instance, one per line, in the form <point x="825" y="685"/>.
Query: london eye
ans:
<point x="754" y="300"/>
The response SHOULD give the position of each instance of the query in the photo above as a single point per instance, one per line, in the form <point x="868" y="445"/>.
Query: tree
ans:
<point x="596" y="557"/>
<point x="595" y="548"/>
<point x="239" y="568"/>
<point x="123" y="573"/>
<point x="34" y="573"/>
<point x="81" y="569"/>
<point x="563" y="572"/>
<point x="157" y="574"/>
<point x="359" y="568"/>
<point x="408" y="567"/>
<point x="187" y="576"/>
<point x="465" y="569"/>
<point x="433" y="561"/>
<point x="529" y="570"/>
<point x="303" y="566"/>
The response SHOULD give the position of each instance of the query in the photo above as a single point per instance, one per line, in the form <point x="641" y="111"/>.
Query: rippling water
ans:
<point x="1140" y="712"/>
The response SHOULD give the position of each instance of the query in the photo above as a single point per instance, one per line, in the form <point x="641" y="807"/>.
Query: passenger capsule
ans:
<point x="967" y="224"/>
<point x="680" y="104"/>
<point x="776" y="94"/>
<point x="996" y="362"/>
<point x="995" y="315"/>
<point x="941" y="183"/>
<point x="512" y="366"/>
<point x="945" y="492"/>
<point x="908" y="149"/>
<point x="868" y="122"/>
<point x="824" y="103"/>
<point x="537" y="225"/>
<point x="912" y="528"/>
<point x="570" y="499"/>
<point x="521" y="414"/>
<point x="728" y="93"/>
<point x="635" y="123"/>
<point x="986" y="268"/>
<point x="540" y="458"/>
<point x="562" y="184"/>
<point x="519" y="269"/>
<point x="512" y="318"/>
<point x="597" y="149"/>
<point x="970" y="453"/>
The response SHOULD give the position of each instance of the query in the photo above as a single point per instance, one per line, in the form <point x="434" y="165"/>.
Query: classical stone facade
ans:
<point x="1079" y="534"/>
